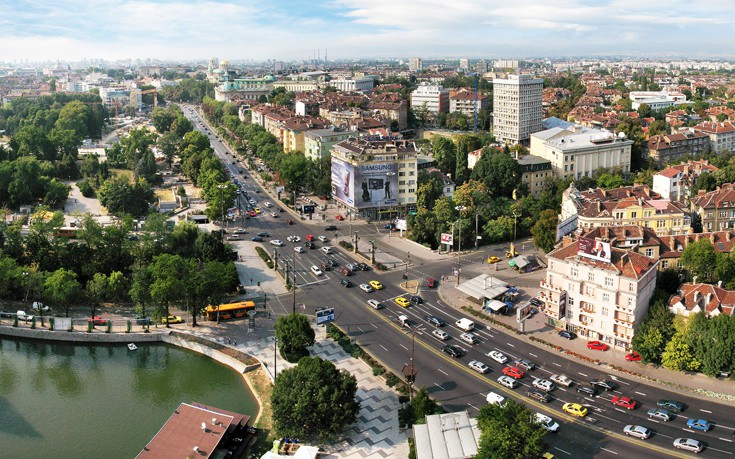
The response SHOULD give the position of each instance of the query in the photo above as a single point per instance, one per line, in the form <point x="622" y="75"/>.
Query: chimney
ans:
<point x="672" y="241"/>
<point x="694" y="281"/>
<point x="712" y="238"/>
<point x="719" y="284"/>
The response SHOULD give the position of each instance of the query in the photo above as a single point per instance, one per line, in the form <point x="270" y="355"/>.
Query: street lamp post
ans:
<point x="408" y="261"/>
<point x="477" y="236"/>
<point x="275" y="358"/>
<point x="459" y="244"/>
<point x="409" y="370"/>
<point x="222" y="207"/>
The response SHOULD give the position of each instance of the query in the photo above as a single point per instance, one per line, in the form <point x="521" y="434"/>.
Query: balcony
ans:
<point x="626" y="319"/>
<point x="550" y="287"/>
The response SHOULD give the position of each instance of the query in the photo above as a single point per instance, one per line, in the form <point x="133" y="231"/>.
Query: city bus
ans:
<point x="68" y="232"/>
<point x="230" y="310"/>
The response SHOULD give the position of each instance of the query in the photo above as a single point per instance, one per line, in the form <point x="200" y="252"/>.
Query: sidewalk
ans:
<point x="697" y="384"/>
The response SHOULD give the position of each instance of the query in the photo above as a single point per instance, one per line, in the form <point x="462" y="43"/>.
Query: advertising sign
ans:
<point x="447" y="239"/>
<point x="365" y="185"/>
<point x="563" y="303"/>
<point x="401" y="224"/>
<point x="597" y="250"/>
<point x="324" y="316"/>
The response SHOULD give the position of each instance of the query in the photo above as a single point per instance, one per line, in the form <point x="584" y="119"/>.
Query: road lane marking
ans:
<point x="719" y="450"/>
<point x="608" y="450"/>
<point x="473" y="406"/>
<point x="580" y="373"/>
<point x="705" y="411"/>
<point x="442" y="372"/>
<point x="439" y="386"/>
<point x="619" y="409"/>
<point x="386" y="350"/>
<point x="565" y="452"/>
<point x="554" y="363"/>
<point x="640" y="393"/>
<point x="725" y="439"/>
<point x="509" y="344"/>
<point x="532" y="354"/>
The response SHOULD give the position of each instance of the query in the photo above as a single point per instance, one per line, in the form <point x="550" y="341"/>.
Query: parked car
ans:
<point x="633" y="357"/>
<point x="637" y="431"/>
<point x="603" y="384"/>
<point x="479" y="366"/>
<point x="541" y="396"/>
<point x="597" y="346"/>
<point x="624" y="402"/>
<point x="23" y="316"/>
<point x="660" y="414"/>
<point x="497" y="356"/>
<point x="508" y="382"/>
<point x="436" y="321"/>
<point x="567" y="334"/>
<point x="452" y="351"/>
<point x="97" y="320"/>
<point x="172" y="320"/>
<point x="699" y="424"/>
<point x="689" y="444"/>
<point x="440" y="334"/>
<point x="562" y="380"/>
<point x="671" y="405"/>
<point x="513" y="372"/>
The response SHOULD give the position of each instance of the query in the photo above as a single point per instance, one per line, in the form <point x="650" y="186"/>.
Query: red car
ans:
<point x="252" y="213"/>
<point x="633" y="357"/>
<point x="513" y="372"/>
<point x="289" y="222"/>
<point x="97" y="320"/>
<point x="431" y="282"/>
<point x="339" y="217"/>
<point x="625" y="402"/>
<point x="309" y="237"/>
<point x="597" y="346"/>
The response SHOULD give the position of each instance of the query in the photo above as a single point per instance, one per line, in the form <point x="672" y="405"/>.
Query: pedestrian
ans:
<point x="235" y="342"/>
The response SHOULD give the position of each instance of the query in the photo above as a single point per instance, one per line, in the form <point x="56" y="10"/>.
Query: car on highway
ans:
<point x="97" y="320"/>
<point x="633" y="357"/>
<point x="587" y="390"/>
<point x="330" y="261"/>
<point x="376" y="285"/>
<point x="567" y="334"/>
<point x="525" y="364"/>
<point x="539" y="395"/>
<point x="435" y="321"/>
<point x="375" y="304"/>
<point x="689" y="444"/>
<point x="328" y="250"/>
<point x="276" y="242"/>
<point x="345" y="272"/>
<point x="402" y="302"/>
<point x="257" y="210"/>
<point x="415" y="300"/>
<point x="637" y="431"/>
<point x="470" y="338"/>
<point x="562" y="380"/>
<point x="575" y="408"/>
<point x="315" y="269"/>
<point x="543" y="384"/>
<point x="309" y="237"/>
<point x="660" y="414"/>
<point x="322" y="239"/>
<point x="495" y="399"/>
<point x="366" y="288"/>
<point x="330" y="228"/>
<point x="299" y="249"/>
<point x="603" y="384"/>
<point x="345" y="283"/>
<point x="441" y="334"/>
<point x="257" y="239"/>
<point x="263" y="234"/>
<point x="430" y="282"/>
<point x="597" y="346"/>
<point x="172" y="320"/>
<point x="252" y="213"/>
<point x="267" y="204"/>
<point x="294" y="239"/>
<point x="363" y="266"/>
<point x="671" y="405"/>
<point x="624" y="402"/>
<point x="546" y="422"/>
<point x="508" y="382"/>
<point x="497" y="356"/>
<point x="513" y="372"/>
<point x="478" y="366"/>
<point x="452" y="351"/>
<point x="493" y="260"/>
<point x="699" y="424"/>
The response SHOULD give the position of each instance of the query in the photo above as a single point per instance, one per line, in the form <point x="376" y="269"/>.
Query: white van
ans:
<point x="495" y="399"/>
<point x="403" y="320"/>
<point x="465" y="324"/>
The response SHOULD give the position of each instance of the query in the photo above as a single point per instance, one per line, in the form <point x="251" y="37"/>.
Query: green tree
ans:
<point x="168" y="143"/>
<point x="168" y="275"/>
<point x="445" y="154"/>
<point x="544" y="230"/>
<point x="656" y="329"/>
<point x="500" y="173"/>
<point x="421" y="406"/>
<point x="294" y="335"/>
<point x="500" y="229"/>
<point x="62" y="288"/>
<point x="677" y="354"/>
<point x="96" y="289"/>
<point x="509" y="432"/>
<point x="698" y="258"/>
<point x="314" y="400"/>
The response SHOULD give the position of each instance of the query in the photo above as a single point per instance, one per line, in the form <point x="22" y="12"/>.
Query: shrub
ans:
<point x="264" y="256"/>
<point x="85" y="188"/>
<point x="380" y="267"/>
<point x="377" y="371"/>
<point x="345" y="245"/>
<point x="391" y="380"/>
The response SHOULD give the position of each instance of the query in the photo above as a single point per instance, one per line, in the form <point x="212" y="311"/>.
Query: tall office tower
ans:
<point x="517" y="109"/>
<point x="464" y="64"/>
<point x="415" y="64"/>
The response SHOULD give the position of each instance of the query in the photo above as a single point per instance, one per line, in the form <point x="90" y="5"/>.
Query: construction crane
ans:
<point x="155" y="95"/>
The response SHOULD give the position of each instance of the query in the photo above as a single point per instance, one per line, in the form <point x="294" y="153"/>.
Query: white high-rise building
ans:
<point x="464" y="64"/>
<point x="434" y="96"/>
<point x="517" y="111"/>
<point x="415" y="64"/>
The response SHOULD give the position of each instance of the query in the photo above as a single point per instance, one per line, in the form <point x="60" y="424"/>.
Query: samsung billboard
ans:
<point x="366" y="185"/>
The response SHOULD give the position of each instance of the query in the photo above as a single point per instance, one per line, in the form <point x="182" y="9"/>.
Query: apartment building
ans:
<point x="665" y="148"/>
<point x="464" y="101"/>
<point x="675" y="182"/>
<point x="517" y="105"/>
<point x="296" y="85"/>
<point x="600" y="295"/>
<point x="721" y="135"/>
<point x="352" y="84"/>
<point x="415" y="64"/>
<point x="716" y="209"/>
<point x="294" y="131"/>
<point x="535" y="171"/>
<point x="434" y="96"/>
<point x="693" y="298"/>
<point x="318" y="143"/>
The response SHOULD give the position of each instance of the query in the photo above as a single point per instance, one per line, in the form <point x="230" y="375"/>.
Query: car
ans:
<point x="689" y="444"/>
<point x="637" y="431"/>
<point x="330" y="228"/>
<point x="536" y="302"/>
<point x="376" y="285"/>
<point x="328" y="250"/>
<point x="546" y="422"/>
<point x="495" y="399"/>
<point x="172" y="320"/>
<point x="435" y="321"/>
<point x="234" y="237"/>
<point x="289" y="222"/>
<point x="140" y="320"/>
<point x="389" y="226"/>
<point x="465" y="324"/>
<point x="276" y="242"/>
<point x="267" y="204"/>
<point x="252" y="213"/>
<point x="375" y="304"/>
<point x="440" y="334"/>
<point x="315" y="269"/>
<point x="539" y="395"/>
<point x="508" y="382"/>
<point x="274" y="215"/>
<point x="452" y="351"/>
<point x="509" y="254"/>
<point x="597" y="346"/>
<point x="543" y="384"/>
<point x="525" y="364"/>
<point x="363" y="266"/>
<point x="493" y="260"/>
<point x="671" y="405"/>
<point x="280" y="210"/>
<point x="257" y="239"/>
<point x="567" y="334"/>
<point x="575" y="408"/>
<point x="513" y="372"/>
<point x="330" y="262"/>
<point x="309" y="245"/>
<point x="257" y="210"/>
<point x="346" y="283"/>
<point x="633" y="357"/>
<point x="325" y="267"/>
<point x="562" y="380"/>
<point x="587" y="390"/>
<point x="299" y="249"/>
<point x="402" y="302"/>
<point x="470" y="338"/>
<point x="97" y="320"/>
<point x="345" y="272"/>
<point x="366" y="288"/>
<point x="351" y="266"/>
<point x="322" y="239"/>
<point x="497" y="356"/>
<point x="293" y="239"/>
<point x="479" y="366"/>
<point x="415" y="300"/>
<point x="309" y="237"/>
<point x="339" y="217"/>
<point x="430" y="282"/>
<point x="603" y="384"/>
<point x="263" y="234"/>
<point x="21" y="315"/>
<point x="699" y="424"/>
<point x="624" y="402"/>
<point x="240" y="231"/>
<point x="660" y="414"/>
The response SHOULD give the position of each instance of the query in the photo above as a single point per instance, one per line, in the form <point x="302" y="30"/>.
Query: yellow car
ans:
<point x="492" y="260"/>
<point x="376" y="285"/>
<point x="402" y="302"/>
<point x="575" y="409"/>
<point x="257" y="210"/>
<point x="172" y="320"/>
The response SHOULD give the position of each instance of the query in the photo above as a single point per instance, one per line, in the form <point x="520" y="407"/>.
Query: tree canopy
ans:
<point x="509" y="432"/>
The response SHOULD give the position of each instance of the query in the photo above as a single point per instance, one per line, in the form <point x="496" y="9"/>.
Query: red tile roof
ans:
<point x="723" y="196"/>
<point x="624" y="262"/>
<point x="707" y="298"/>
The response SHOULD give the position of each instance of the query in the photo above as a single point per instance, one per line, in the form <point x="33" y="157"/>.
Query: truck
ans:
<point x="403" y="320"/>
<point x="465" y="324"/>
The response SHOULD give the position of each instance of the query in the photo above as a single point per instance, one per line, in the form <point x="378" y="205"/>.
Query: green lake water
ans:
<point x="79" y="401"/>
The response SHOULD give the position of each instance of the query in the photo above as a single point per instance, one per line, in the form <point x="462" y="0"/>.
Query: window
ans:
<point x="570" y="301"/>
<point x="591" y="277"/>
<point x="649" y="253"/>
<point x="608" y="282"/>
<point x="411" y="190"/>
<point x="664" y="264"/>
<point x="630" y="302"/>
<point x="631" y="287"/>
<point x="574" y="272"/>
<point x="605" y="312"/>
<point x="606" y="297"/>
<point x="570" y="314"/>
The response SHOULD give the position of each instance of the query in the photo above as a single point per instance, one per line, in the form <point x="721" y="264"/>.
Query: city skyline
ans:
<point x="294" y="30"/>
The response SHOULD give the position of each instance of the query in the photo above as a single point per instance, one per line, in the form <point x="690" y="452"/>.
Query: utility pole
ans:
<point x="222" y="208"/>
<point x="410" y="371"/>
<point x="477" y="236"/>
<point x="459" y="245"/>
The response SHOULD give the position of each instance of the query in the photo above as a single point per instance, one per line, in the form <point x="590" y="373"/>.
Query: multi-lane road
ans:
<point x="450" y="381"/>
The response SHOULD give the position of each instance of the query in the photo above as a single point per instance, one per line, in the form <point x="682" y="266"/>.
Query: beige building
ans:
<point x="318" y="143"/>
<point x="535" y="172"/>
<point x="721" y="135"/>
<point x="716" y="209"/>
<point x="517" y="108"/>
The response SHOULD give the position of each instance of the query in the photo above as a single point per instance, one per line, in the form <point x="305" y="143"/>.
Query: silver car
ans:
<point x="525" y="364"/>
<point x="637" y="431"/>
<point x="660" y="414"/>
<point x="508" y="382"/>
<point x="688" y="444"/>
<point x="479" y="367"/>
<point x="544" y="385"/>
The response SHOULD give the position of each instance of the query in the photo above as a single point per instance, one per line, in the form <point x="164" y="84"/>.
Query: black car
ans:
<point x="346" y="283"/>
<point x="452" y="351"/>
<point x="263" y="234"/>
<point x="309" y="245"/>
<point x="330" y="228"/>
<point x="257" y="239"/>
<point x="363" y="267"/>
<point x="587" y="390"/>
<point x="435" y="321"/>
<point x="671" y="405"/>
<point x="415" y="299"/>
<point x="539" y="395"/>
<point x="280" y="209"/>
<point x="603" y="384"/>
<point x="330" y="262"/>
<point x="567" y="334"/>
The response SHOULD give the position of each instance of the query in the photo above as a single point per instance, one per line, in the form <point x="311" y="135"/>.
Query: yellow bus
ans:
<point x="230" y="310"/>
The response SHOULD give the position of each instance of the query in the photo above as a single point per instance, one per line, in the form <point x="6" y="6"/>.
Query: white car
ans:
<point x="497" y="356"/>
<point x="299" y="249"/>
<point x="326" y="249"/>
<point x="267" y="204"/>
<point x="688" y="444"/>
<point x="315" y="269"/>
<point x="440" y="334"/>
<point x="562" y="380"/>
<point x="470" y="338"/>
<point x="273" y="214"/>
<point x="494" y="399"/>
<point x="637" y="431"/>
<point x="366" y="288"/>
<point x="508" y="382"/>
<point x="544" y="385"/>
<point x="547" y="423"/>
<point x="479" y="367"/>
<point x="322" y="238"/>
<point x="276" y="242"/>
<point x="294" y="239"/>
<point x="375" y="303"/>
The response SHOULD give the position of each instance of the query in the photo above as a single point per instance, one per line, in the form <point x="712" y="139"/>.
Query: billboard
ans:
<point x="597" y="250"/>
<point x="365" y="185"/>
<point x="324" y="315"/>
<point x="447" y="239"/>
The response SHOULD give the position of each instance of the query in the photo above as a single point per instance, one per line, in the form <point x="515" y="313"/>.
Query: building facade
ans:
<point x="675" y="182"/>
<point x="244" y="88"/>
<point x="517" y="105"/>
<point x="721" y="135"/>
<point x="318" y="143"/>
<point x="665" y="148"/>
<point x="716" y="209"/>
<point x="434" y="96"/>
<point x="464" y="101"/>
<point x="712" y="300"/>
<point x="350" y="84"/>
<point x="415" y="64"/>
<point x="535" y="171"/>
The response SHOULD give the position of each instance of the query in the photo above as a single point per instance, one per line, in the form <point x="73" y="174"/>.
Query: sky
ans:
<point x="293" y="30"/>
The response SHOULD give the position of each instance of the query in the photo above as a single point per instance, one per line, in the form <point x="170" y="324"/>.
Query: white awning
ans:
<point x="483" y="286"/>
